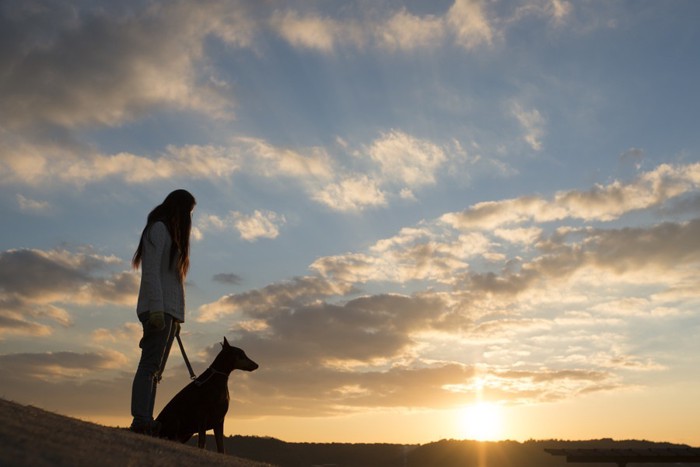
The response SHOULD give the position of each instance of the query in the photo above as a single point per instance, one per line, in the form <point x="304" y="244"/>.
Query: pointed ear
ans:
<point x="226" y="344"/>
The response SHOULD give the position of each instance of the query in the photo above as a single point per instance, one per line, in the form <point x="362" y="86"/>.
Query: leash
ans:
<point x="184" y="354"/>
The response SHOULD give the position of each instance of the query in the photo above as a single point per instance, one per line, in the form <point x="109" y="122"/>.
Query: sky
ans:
<point x="423" y="220"/>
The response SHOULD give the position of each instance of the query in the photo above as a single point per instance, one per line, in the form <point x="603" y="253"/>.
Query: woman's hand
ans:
<point x="157" y="319"/>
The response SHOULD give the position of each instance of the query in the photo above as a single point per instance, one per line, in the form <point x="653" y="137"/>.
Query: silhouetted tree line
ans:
<point x="444" y="453"/>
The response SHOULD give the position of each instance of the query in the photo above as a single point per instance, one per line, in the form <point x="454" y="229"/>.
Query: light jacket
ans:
<point x="161" y="289"/>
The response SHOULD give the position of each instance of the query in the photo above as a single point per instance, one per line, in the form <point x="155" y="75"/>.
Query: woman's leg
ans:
<point x="155" y="347"/>
<point x="172" y="328"/>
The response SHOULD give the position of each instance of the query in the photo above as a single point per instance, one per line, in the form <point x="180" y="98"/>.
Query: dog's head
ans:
<point x="235" y="358"/>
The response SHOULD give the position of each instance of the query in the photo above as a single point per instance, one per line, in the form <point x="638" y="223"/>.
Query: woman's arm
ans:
<point x="154" y="244"/>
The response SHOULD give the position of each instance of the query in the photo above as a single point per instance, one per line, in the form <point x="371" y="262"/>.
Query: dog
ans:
<point x="202" y="404"/>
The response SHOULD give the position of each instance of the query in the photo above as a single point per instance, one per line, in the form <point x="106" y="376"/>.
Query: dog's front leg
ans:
<point x="219" y="436"/>
<point x="202" y="436"/>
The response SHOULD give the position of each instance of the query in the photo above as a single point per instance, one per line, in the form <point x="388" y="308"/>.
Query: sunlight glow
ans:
<point x="481" y="421"/>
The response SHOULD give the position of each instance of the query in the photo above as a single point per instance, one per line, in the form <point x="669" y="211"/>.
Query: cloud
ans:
<point x="362" y="330"/>
<point x="260" y="224"/>
<point x="354" y="369"/>
<point x="78" y="383"/>
<point x="472" y="253"/>
<point x="398" y="164"/>
<point x="34" y="273"/>
<point x="461" y="328"/>
<point x="362" y="354"/>
<point x="402" y="158"/>
<point x="660" y="247"/>
<point x="420" y="253"/>
<point x="551" y="385"/>
<point x="32" y="205"/>
<point x="525" y="236"/>
<point x="227" y="278"/>
<point x="322" y="177"/>
<point x="405" y="31"/>
<point x="560" y="9"/>
<point x="322" y="391"/>
<point x="601" y="203"/>
<point x="313" y="164"/>
<point x="73" y="67"/>
<point x="532" y="124"/>
<point x="313" y="31"/>
<point x="431" y="261"/>
<point x="193" y="162"/>
<point x="68" y="69"/>
<point x="469" y="24"/>
<point x="128" y="332"/>
<point x="544" y="293"/>
<point x="395" y="165"/>
<point x="52" y="366"/>
<point x="251" y="227"/>
<point x="465" y="23"/>
<point x="353" y="193"/>
<point x="634" y="156"/>
<point x="328" y="352"/>
<point x="15" y="321"/>
<point x="282" y="294"/>
<point x="36" y="284"/>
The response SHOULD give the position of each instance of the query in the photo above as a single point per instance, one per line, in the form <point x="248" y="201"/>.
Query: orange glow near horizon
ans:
<point x="611" y="414"/>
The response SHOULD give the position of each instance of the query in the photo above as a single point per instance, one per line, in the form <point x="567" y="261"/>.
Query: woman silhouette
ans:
<point x="163" y="254"/>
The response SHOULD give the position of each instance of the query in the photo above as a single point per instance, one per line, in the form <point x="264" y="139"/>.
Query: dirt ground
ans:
<point x="34" y="437"/>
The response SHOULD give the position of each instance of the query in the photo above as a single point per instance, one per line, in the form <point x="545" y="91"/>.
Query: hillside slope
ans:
<point x="33" y="437"/>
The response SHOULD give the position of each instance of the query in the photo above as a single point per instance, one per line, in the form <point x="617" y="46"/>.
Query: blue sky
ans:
<point x="404" y="208"/>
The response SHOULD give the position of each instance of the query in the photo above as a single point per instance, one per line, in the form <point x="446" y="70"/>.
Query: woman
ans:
<point x="163" y="254"/>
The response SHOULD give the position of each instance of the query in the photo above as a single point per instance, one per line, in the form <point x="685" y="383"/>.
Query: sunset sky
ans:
<point x="422" y="219"/>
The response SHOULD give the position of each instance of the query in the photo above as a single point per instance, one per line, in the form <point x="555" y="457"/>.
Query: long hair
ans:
<point x="176" y="213"/>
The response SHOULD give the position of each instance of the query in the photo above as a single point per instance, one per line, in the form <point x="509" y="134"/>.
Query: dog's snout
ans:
<point x="252" y="366"/>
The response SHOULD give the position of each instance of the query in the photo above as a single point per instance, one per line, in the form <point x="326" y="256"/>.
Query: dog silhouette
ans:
<point x="202" y="404"/>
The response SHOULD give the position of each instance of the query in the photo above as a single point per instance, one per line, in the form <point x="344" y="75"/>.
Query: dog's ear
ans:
<point x="226" y="344"/>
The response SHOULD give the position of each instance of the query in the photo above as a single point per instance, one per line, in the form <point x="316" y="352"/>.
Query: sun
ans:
<point x="481" y="421"/>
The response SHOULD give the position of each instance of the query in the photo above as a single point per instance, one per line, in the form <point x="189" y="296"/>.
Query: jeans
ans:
<point x="155" y="347"/>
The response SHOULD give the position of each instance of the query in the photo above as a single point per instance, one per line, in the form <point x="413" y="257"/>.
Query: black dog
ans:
<point x="202" y="404"/>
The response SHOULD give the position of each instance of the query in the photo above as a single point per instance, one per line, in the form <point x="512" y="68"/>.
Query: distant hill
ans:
<point x="445" y="453"/>
<point x="33" y="437"/>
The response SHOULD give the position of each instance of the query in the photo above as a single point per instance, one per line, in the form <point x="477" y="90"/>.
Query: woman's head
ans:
<point x="178" y="203"/>
<point x="176" y="213"/>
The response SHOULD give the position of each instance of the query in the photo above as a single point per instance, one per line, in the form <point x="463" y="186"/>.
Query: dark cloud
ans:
<point x="119" y="288"/>
<point x="659" y="247"/>
<point x="500" y="284"/>
<point x="632" y="155"/>
<point x="31" y="273"/>
<point x="287" y="294"/>
<point x="663" y="246"/>
<point x="90" y="383"/>
<point x="363" y="329"/>
<point x="36" y="284"/>
<point x="227" y="278"/>
<point x="17" y="324"/>
<point x="74" y="66"/>
<point x="50" y="364"/>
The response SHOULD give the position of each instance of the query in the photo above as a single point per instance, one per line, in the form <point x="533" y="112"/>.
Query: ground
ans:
<point x="34" y="437"/>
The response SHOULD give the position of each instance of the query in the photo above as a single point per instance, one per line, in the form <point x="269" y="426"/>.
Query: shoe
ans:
<point x="149" y="428"/>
